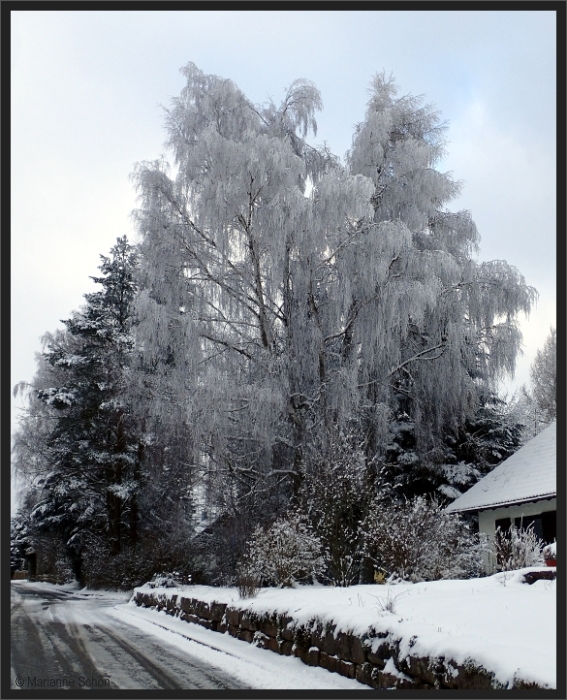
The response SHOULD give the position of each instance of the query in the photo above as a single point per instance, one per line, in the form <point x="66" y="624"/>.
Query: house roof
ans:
<point x="528" y="475"/>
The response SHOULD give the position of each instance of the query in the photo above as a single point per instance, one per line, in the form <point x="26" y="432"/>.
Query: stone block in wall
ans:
<point x="302" y="642"/>
<point x="380" y="652"/>
<point x="398" y="679"/>
<point x="222" y="626"/>
<point x="376" y="661"/>
<point x="545" y="575"/>
<point x="323" y="636"/>
<point x="309" y="655"/>
<point x="144" y="599"/>
<point x="186" y="604"/>
<point x="347" y="669"/>
<point x="356" y="649"/>
<point x="385" y="680"/>
<point x="287" y="632"/>
<point x="245" y="635"/>
<point x="285" y="647"/>
<point x="470" y="675"/>
<point x="425" y="669"/>
<point x="329" y="662"/>
<point x="261" y="640"/>
<point x="364" y="674"/>
<point x="409" y="683"/>
<point x="269" y="625"/>
<point x="313" y="656"/>
<point x="342" y="646"/>
<point x="285" y="627"/>
<point x="233" y="616"/>
<point x="248" y="621"/>
<point x="266" y="623"/>
<point x="233" y="630"/>
<point x="202" y="609"/>
<point x="271" y="643"/>
<point x="217" y="611"/>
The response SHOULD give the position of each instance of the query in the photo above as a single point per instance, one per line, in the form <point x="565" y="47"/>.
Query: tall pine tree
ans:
<point x="90" y="492"/>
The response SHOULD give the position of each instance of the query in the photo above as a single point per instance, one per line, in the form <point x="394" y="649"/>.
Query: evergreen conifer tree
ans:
<point x="89" y="493"/>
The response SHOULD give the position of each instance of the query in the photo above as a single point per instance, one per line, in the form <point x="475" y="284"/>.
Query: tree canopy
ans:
<point x="300" y="314"/>
<point x="285" y="317"/>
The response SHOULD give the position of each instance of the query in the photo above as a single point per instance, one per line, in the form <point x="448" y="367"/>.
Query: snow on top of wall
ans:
<point x="528" y="475"/>
<point x="498" y="621"/>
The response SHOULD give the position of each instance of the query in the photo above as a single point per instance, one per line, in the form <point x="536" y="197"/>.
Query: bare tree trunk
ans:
<point x="114" y="500"/>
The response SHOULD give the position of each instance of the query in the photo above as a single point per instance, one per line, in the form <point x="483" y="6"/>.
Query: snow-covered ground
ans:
<point x="256" y="668"/>
<point x="140" y="649"/>
<point x="504" y="624"/>
<point x="501" y="622"/>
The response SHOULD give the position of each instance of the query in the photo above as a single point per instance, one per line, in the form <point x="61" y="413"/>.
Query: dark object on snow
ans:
<point x="549" y="554"/>
<point x="533" y="576"/>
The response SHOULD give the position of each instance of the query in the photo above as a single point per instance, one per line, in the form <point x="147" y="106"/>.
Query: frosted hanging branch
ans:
<point x="420" y="357"/>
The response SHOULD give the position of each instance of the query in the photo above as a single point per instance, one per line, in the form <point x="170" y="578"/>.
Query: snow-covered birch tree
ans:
<point x="287" y="319"/>
<point x="444" y="324"/>
<point x="543" y="375"/>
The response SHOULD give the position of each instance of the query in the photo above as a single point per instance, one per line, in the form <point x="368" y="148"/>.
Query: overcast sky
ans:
<point x="87" y="89"/>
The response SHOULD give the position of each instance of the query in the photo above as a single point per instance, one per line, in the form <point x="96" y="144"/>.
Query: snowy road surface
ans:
<point x="63" y="639"/>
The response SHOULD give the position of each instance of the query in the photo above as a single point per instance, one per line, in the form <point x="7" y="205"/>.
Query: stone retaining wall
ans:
<point x="374" y="659"/>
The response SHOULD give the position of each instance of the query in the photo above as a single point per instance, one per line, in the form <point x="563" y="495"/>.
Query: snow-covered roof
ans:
<point x="528" y="475"/>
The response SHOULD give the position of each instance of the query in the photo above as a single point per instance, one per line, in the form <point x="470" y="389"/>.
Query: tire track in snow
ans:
<point x="58" y="635"/>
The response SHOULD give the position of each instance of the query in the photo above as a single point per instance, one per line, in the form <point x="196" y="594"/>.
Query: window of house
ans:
<point x="544" y="525"/>
<point x="534" y="521"/>
<point x="549" y="525"/>
<point x="503" y="524"/>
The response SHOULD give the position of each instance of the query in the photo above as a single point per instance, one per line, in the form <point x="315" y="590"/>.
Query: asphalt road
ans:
<point x="64" y="639"/>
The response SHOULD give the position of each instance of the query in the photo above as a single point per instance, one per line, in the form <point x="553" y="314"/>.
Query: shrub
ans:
<point x="286" y="552"/>
<point x="336" y="501"/>
<point x="517" y="548"/>
<point x="63" y="571"/>
<point x="418" y="541"/>
<point x="247" y="586"/>
<point x="173" y="579"/>
<point x="136" y="565"/>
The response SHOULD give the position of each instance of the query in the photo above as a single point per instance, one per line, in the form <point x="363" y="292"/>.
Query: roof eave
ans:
<point x="505" y="504"/>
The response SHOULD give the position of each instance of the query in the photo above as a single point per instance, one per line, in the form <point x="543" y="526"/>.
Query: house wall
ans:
<point x="487" y="520"/>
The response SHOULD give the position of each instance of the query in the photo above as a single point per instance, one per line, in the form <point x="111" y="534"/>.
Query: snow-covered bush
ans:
<point x="516" y="548"/>
<point x="286" y="552"/>
<point x="168" y="557"/>
<point x="172" y="579"/>
<point x="418" y="541"/>
<point x="336" y="499"/>
<point x="63" y="570"/>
